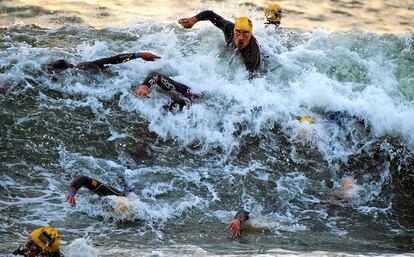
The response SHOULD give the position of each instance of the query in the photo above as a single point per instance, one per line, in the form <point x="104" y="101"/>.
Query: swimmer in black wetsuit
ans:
<point x="238" y="35"/>
<point x="62" y="65"/>
<point x="93" y="185"/>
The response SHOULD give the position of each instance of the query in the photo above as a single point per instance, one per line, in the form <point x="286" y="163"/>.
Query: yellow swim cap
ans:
<point x="273" y="13"/>
<point x="306" y="119"/>
<point x="243" y="23"/>
<point x="47" y="238"/>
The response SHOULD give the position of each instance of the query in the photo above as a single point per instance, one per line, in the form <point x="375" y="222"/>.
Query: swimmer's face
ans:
<point x="241" y="38"/>
<point x="347" y="184"/>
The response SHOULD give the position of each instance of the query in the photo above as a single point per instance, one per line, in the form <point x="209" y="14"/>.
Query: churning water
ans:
<point x="187" y="173"/>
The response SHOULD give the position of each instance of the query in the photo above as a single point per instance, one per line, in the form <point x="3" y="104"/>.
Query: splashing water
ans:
<point x="242" y="146"/>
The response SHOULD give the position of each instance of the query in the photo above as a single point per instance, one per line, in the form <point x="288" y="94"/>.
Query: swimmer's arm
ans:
<point x="77" y="183"/>
<point x="120" y="58"/>
<point x="234" y="226"/>
<point x="147" y="56"/>
<point x="143" y="90"/>
<point x="216" y="19"/>
<point x="80" y="182"/>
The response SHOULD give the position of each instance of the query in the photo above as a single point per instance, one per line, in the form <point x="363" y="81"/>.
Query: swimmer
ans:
<point x="238" y="35"/>
<point x="347" y="185"/>
<point x="42" y="242"/>
<point x="343" y="194"/>
<point x="240" y="222"/>
<point x="235" y="225"/>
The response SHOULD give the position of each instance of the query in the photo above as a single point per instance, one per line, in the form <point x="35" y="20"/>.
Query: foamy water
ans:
<point x="242" y="146"/>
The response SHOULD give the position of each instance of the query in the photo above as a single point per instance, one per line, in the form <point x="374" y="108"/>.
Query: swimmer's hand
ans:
<point x="234" y="227"/>
<point x="187" y="23"/>
<point x="141" y="92"/>
<point x="70" y="198"/>
<point x="147" y="56"/>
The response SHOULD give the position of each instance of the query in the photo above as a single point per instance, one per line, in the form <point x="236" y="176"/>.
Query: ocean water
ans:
<point x="347" y="64"/>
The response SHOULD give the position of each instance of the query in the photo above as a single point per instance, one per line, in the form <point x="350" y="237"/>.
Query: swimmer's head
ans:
<point x="273" y="14"/>
<point x="347" y="183"/>
<point x="242" y="33"/>
<point x="46" y="238"/>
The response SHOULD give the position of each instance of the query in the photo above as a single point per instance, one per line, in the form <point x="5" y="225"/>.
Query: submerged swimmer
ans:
<point x="92" y="184"/>
<point x="62" y="65"/>
<point x="235" y="225"/>
<point x="344" y="193"/>
<point x="237" y="35"/>
<point x="239" y="222"/>
<point x="42" y="242"/>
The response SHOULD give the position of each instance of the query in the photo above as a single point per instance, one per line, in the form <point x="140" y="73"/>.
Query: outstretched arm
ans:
<point x="93" y="185"/>
<point x="216" y="19"/>
<point x="120" y="58"/>
<point x="234" y="226"/>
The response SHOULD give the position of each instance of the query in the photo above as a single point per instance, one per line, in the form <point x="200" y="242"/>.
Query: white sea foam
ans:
<point x="320" y="75"/>
<point x="81" y="248"/>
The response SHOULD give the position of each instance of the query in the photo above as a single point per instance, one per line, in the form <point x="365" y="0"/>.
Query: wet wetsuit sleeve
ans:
<point x="242" y="215"/>
<point x="251" y="56"/>
<point x="165" y="83"/>
<point x="221" y="23"/>
<point x="100" y="63"/>
<point x="93" y="185"/>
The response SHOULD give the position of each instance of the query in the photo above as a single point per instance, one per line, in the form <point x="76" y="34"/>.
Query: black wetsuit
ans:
<point x="61" y="65"/>
<point x="169" y="85"/>
<point x="31" y="249"/>
<point x="166" y="83"/>
<point x="93" y="185"/>
<point x="250" y="54"/>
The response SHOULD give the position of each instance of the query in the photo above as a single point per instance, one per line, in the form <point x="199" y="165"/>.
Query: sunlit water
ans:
<point x="241" y="146"/>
